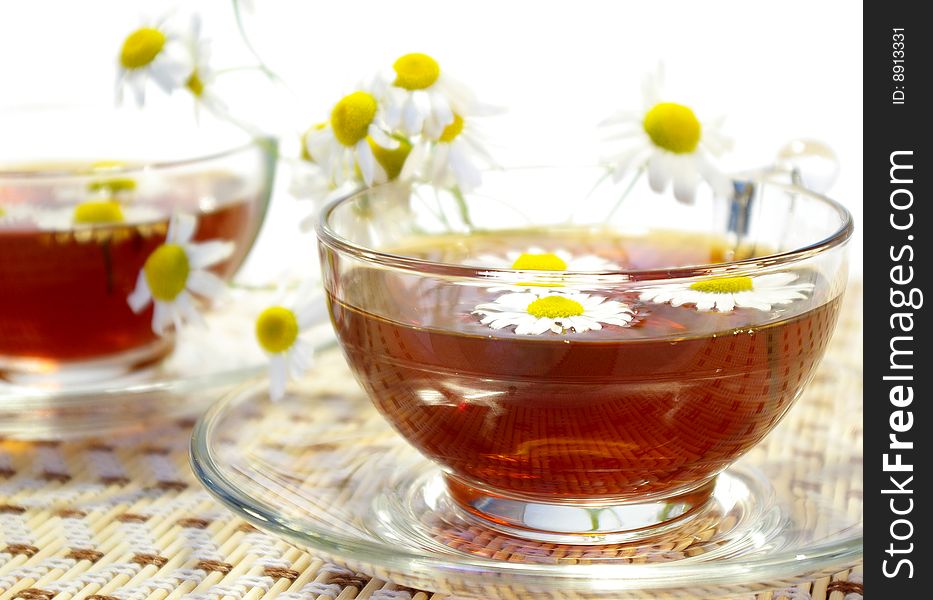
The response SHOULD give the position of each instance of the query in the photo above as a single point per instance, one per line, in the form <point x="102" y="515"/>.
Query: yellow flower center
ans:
<point x="112" y="185"/>
<point x="141" y="47"/>
<point x="166" y="271"/>
<point x="352" y="116"/>
<point x="98" y="212"/>
<point x="391" y="160"/>
<point x="195" y="84"/>
<point x="276" y="329"/>
<point x="416" y="71"/>
<point x="724" y="285"/>
<point x="673" y="127"/>
<point x="555" y="307"/>
<point x="451" y="132"/>
<point x="539" y="262"/>
<point x="2" y="212"/>
<point x="118" y="184"/>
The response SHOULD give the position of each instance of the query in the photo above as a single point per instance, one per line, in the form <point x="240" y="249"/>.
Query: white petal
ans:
<point x="750" y="300"/>
<point x="300" y="358"/>
<point x="181" y="228"/>
<point x="632" y="158"/>
<point x="659" y="174"/>
<point x="186" y="308"/>
<point x="413" y="162"/>
<point x="411" y="117"/>
<point x="725" y="303"/>
<point x="685" y="183"/>
<point x="206" y="254"/>
<point x="517" y="301"/>
<point x="278" y="376"/>
<point x="773" y="280"/>
<point x="140" y="297"/>
<point x="382" y="139"/>
<point x="440" y="158"/>
<point x="527" y="326"/>
<point x="311" y="312"/>
<point x="706" y="301"/>
<point x="162" y="317"/>
<point x="366" y="160"/>
<point x="542" y="324"/>
<point x="206" y="284"/>
<point x="468" y="176"/>
<point x="682" y="297"/>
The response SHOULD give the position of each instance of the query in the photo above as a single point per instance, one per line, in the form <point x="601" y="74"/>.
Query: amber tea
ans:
<point x="64" y="289"/>
<point x="655" y="400"/>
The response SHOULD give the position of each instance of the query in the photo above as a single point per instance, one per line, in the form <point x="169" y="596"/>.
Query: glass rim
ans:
<point x="254" y="140"/>
<point x="327" y="236"/>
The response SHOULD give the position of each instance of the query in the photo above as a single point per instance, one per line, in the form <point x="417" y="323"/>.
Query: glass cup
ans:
<point x="582" y="362"/>
<point x="86" y="196"/>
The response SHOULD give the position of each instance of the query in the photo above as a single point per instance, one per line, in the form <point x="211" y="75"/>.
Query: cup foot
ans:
<point x="42" y="372"/>
<point x="604" y="521"/>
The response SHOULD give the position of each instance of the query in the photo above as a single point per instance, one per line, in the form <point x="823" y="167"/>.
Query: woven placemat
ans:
<point x="123" y="517"/>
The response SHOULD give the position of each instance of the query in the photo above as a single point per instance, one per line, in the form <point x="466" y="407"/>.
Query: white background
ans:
<point x="777" y="71"/>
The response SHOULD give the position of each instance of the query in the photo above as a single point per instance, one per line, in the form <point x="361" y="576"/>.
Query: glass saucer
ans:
<point x="218" y="356"/>
<point x="323" y="470"/>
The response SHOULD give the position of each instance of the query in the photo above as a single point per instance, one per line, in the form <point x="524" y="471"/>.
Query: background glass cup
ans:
<point x="614" y="435"/>
<point x="64" y="285"/>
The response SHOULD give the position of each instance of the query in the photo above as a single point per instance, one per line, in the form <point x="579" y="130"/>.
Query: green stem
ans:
<point x="238" y="69"/>
<point x="272" y="75"/>
<point x="625" y="193"/>
<point x="462" y="205"/>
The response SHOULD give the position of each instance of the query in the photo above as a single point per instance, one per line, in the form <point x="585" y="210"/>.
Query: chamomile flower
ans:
<point x="278" y="332"/>
<point x="455" y="158"/>
<point x="724" y="294"/>
<point x="535" y="313"/>
<point x="200" y="80"/>
<point x="152" y="52"/>
<point x="669" y="141"/>
<point x="344" y="145"/>
<point x="419" y="97"/>
<point x="175" y="272"/>
<point x="538" y="259"/>
<point x="101" y="212"/>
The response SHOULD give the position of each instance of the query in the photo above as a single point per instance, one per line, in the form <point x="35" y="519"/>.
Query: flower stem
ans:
<point x="625" y="193"/>
<point x="262" y="66"/>
<point x="462" y="205"/>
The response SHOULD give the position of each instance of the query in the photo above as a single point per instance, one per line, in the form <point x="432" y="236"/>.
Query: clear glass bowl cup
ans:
<point x="67" y="264"/>
<point x="712" y="318"/>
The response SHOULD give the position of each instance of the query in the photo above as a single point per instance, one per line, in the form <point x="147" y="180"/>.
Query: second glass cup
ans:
<point x="579" y="365"/>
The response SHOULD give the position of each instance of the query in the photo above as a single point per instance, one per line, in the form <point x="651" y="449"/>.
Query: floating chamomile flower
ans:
<point x="670" y="142"/>
<point x="153" y="52"/>
<point x="176" y="270"/>
<point x="343" y="146"/>
<point x="533" y="314"/>
<point x="278" y="332"/>
<point x="419" y="97"/>
<point x="538" y="259"/>
<point x="104" y="212"/>
<point x="454" y="159"/>
<point x="726" y="293"/>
